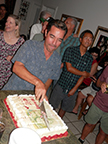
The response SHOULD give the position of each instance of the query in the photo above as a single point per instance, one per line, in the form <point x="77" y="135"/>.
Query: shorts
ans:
<point x="88" y="90"/>
<point x="59" y="97"/>
<point x="94" y="115"/>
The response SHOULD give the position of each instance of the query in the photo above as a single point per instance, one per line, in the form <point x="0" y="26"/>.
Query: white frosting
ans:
<point x="27" y="114"/>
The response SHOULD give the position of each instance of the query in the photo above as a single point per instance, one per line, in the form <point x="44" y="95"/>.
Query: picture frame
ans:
<point x="24" y="6"/>
<point x="80" y="22"/>
<point x="101" y="39"/>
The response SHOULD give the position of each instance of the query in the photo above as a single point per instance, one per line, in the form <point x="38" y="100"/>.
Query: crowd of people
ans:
<point x="56" y="54"/>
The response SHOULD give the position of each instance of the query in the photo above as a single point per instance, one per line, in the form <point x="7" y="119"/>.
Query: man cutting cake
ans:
<point x="36" y="64"/>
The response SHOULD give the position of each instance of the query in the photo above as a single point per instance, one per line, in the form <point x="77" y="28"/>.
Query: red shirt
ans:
<point x="87" y="81"/>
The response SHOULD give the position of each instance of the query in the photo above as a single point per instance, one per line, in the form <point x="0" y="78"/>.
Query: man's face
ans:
<point x="47" y="16"/>
<point x="87" y="40"/>
<point x="53" y="38"/>
<point x="44" y="26"/>
<point x="3" y="11"/>
<point x="69" y="24"/>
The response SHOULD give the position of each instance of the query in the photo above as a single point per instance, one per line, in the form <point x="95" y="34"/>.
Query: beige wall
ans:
<point x="25" y="24"/>
<point x="94" y="12"/>
<point x="2" y="1"/>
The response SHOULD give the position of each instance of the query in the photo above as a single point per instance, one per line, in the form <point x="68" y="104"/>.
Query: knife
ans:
<point x="43" y="111"/>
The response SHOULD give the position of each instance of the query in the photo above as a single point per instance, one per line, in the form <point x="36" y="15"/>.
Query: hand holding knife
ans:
<point x="40" y="90"/>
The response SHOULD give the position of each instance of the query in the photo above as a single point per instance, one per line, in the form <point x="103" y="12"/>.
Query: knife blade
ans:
<point x="43" y="112"/>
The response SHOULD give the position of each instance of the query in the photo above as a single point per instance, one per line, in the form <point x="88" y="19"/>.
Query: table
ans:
<point x="70" y="139"/>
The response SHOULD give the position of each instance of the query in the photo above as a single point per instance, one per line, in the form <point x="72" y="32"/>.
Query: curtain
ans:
<point x="10" y="4"/>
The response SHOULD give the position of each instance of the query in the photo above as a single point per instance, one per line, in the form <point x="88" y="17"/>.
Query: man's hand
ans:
<point x="72" y="91"/>
<point x="85" y="74"/>
<point x="93" y="79"/>
<point x="40" y="91"/>
<point x="103" y="87"/>
<point x="46" y="98"/>
<point x="75" y="35"/>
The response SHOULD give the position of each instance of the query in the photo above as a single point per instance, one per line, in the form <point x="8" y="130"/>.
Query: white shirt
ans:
<point x="36" y="28"/>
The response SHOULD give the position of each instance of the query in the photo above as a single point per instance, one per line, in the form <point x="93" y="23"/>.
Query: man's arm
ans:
<point x="99" y="83"/>
<point x="48" y="83"/>
<point x="102" y="85"/>
<point x="93" y="69"/>
<point x="20" y="70"/>
<point x="79" y="82"/>
<point x="75" y="71"/>
<point x="73" y="90"/>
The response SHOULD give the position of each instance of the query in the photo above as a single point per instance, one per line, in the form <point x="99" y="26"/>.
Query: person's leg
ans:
<point x="100" y="137"/>
<point x="103" y="128"/>
<point x="91" y="118"/>
<point x="86" y="130"/>
<point x="91" y="96"/>
<point x="56" y="96"/>
<point x="67" y="104"/>
<point x="61" y="113"/>
<point x="79" y="100"/>
<point x="89" y="100"/>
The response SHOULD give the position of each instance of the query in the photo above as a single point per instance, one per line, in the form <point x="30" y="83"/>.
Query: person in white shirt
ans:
<point x="36" y="28"/>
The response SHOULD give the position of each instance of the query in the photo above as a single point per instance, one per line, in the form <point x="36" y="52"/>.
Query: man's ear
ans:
<point x="46" y="32"/>
<point x="80" y="39"/>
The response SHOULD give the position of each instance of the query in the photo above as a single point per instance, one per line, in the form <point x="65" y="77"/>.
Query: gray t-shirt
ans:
<point x="31" y="54"/>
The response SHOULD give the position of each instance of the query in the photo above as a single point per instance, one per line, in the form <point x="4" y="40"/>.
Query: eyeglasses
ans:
<point x="43" y="20"/>
<point x="88" y="38"/>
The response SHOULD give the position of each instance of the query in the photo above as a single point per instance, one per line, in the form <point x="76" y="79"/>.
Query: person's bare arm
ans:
<point x="73" y="90"/>
<point x="40" y="89"/>
<point x="47" y="85"/>
<point x="61" y="65"/>
<point x="102" y="85"/>
<point x="75" y="71"/>
<point x="9" y="58"/>
<point x="99" y="83"/>
<point x="93" y="69"/>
